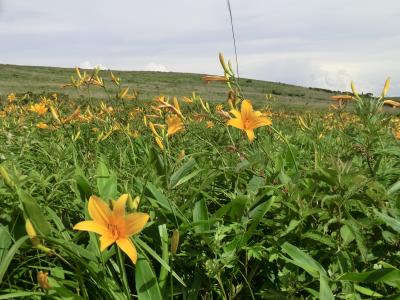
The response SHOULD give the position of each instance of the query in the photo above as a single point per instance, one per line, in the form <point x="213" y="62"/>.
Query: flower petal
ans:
<point x="105" y="241"/>
<point x="236" y="113"/>
<point x="91" y="226"/>
<point x="128" y="247"/>
<point x="99" y="211"/>
<point x="236" y="123"/>
<point x="250" y="134"/>
<point x="259" y="122"/>
<point x="119" y="206"/>
<point x="135" y="222"/>
<point x="246" y="110"/>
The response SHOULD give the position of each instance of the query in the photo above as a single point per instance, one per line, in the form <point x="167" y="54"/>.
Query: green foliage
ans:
<point x="304" y="212"/>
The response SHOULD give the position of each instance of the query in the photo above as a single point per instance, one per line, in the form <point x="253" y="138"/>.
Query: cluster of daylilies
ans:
<point x="162" y="118"/>
<point x="343" y="99"/>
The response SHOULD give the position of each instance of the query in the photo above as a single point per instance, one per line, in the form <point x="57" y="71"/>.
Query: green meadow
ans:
<point x="180" y="189"/>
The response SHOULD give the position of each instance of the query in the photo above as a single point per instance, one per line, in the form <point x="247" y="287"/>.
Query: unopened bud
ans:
<point x="30" y="230"/>
<point x="133" y="204"/>
<point x="353" y="88"/>
<point x="43" y="280"/>
<point x="223" y="64"/>
<point x="385" y="88"/>
<point x="174" y="241"/>
<point x="55" y="115"/>
<point x="6" y="177"/>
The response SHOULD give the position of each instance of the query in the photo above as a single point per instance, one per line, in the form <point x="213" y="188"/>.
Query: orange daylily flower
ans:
<point x="210" y="124"/>
<point x="39" y="108"/>
<point x="342" y="97"/>
<point x="113" y="225"/>
<point x="391" y="103"/>
<point x="164" y="103"/>
<point x="42" y="125"/>
<point x="247" y="119"/>
<point x="208" y="78"/>
<point x="11" y="98"/>
<point x="43" y="280"/>
<point x="174" y="124"/>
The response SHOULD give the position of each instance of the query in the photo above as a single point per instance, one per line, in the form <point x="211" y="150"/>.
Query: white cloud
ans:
<point x="155" y="67"/>
<point x="311" y="43"/>
<point x="88" y="65"/>
<point x="330" y="77"/>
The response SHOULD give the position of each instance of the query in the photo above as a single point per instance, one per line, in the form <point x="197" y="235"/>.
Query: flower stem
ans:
<point x="123" y="273"/>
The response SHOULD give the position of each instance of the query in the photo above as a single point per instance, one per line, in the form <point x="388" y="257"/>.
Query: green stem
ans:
<point x="221" y="286"/>
<point x="289" y="147"/>
<point x="123" y="273"/>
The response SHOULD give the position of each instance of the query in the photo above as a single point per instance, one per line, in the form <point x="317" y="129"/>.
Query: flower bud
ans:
<point x="30" y="230"/>
<point x="43" y="280"/>
<point x="385" y="88"/>
<point x="353" y="88"/>
<point x="174" y="241"/>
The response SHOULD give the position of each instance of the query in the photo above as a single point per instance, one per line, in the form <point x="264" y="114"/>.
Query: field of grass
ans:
<point x="22" y="79"/>
<point x="110" y="194"/>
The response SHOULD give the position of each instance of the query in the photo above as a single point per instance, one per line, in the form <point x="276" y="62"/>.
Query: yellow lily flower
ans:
<point x="164" y="103"/>
<point x="208" y="78"/>
<point x="42" y="125"/>
<point x="391" y="103"/>
<point x="157" y="137"/>
<point x="210" y="124"/>
<point x="187" y="100"/>
<point x="247" y="119"/>
<point x="174" y="124"/>
<point x="113" y="225"/>
<point x="11" y="98"/>
<point x="39" y="108"/>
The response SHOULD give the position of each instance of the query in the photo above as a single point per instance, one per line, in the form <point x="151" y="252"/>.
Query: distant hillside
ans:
<point x="21" y="79"/>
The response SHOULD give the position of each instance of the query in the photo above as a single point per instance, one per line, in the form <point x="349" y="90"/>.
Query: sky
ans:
<point x="308" y="43"/>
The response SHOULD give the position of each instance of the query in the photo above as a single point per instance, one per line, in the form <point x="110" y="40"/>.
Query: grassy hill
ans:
<point x="21" y="79"/>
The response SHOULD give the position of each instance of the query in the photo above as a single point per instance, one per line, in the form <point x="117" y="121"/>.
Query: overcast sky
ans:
<point x="310" y="43"/>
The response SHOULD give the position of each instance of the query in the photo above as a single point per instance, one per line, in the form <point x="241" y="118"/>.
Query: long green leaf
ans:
<point x="146" y="281"/>
<point x="386" y="275"/>
<point x="162" y="201"/>
<point x="392" y="222"/>
<point x="303" y="260"/>
<point x="256" y="215"/>
<point x="183" y="174"/>
<point x="162" y="229"/>
<point x="20" y="294"/>
<point x="325" y="292"/>
<point x="159" y="259"/>
<point x="10" y="255"/>
<point x="33" y="212"/>
<point x="106" y="181"/>
<point x="394" y="188"/>
<point x="5" y="240"/>
<point x="200" y="213"/>
<point x="367" y="291"/>
<point x="59" y="224"/>
<point x="356" y="231"/>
